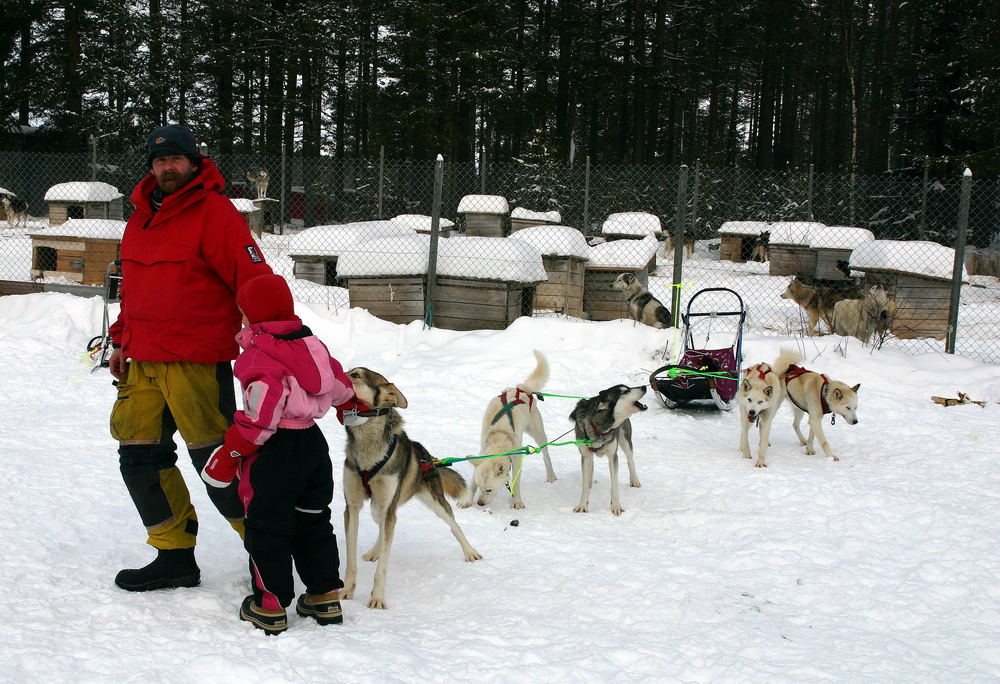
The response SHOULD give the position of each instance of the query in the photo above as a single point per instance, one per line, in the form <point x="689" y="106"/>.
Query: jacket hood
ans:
<point x="304" y="355"/>
<point x="208" y="178"/>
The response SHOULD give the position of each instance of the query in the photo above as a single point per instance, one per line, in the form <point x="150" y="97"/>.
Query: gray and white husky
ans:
<point x="604" y="422"/>
<point x="382" y="464"/>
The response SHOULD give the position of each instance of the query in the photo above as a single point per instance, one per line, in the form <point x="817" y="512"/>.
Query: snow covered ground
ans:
<point x="882" y="567"/>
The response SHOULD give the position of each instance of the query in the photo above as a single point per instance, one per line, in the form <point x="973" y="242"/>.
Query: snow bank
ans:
<point x="542" y="216"/>
<point x="388" y="256"/>
<point x="912" y="256"/>
<point x="106" y="229"/>
<point x="631" y="223"/>
<point x="332" y="240"/>
<point x="79" y="191"/>
<point x="555" y="240"/>
<point x="482" y="204"/>
<point x="630" y="254"/>
<point x="489" y="258"/>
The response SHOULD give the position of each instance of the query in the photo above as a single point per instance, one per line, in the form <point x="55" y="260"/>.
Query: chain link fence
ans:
<point x="464" y="247"/>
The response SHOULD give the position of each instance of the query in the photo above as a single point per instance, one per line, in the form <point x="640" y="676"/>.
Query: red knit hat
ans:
<point x="266" y="298"/>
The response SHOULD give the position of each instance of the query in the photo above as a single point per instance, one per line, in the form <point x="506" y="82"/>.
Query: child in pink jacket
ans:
<point x="286" y="478"/>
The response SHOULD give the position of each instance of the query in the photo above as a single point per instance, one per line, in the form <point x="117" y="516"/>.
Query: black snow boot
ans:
<point x="171" y="568"/>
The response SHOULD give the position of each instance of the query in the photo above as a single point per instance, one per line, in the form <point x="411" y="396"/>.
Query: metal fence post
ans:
<point x="281" y="192"/>
<point x="433" y="251"/>
<point x="956" y="274"/>
<point x="923" y="198"/>
<point x="694" y="199"/>
<point x="585" y="228"/>
<point x="381" y="178"/>
<point x="809" y="193"/>
<point x="682" y="178"/>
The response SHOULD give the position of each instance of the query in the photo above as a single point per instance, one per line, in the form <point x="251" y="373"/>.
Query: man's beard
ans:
<point x="171" y="181"/>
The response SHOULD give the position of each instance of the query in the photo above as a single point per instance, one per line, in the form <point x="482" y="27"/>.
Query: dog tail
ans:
<point x="785" y="359"/>
<point x="452" y="482"/>
<point x="536" y="381"/>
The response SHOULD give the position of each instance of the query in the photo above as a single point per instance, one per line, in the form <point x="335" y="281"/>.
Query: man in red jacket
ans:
<point x="185" y="253"/>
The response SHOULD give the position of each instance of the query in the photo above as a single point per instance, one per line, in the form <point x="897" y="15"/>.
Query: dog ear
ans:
<point x="837" y="394"/>
<point x="856" y="387"/>
<point x="392" y="392"/>
<point x="768" y="390"/>
<point x="746" y="385"/>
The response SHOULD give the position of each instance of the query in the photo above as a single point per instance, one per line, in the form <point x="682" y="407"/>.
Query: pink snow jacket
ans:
<point x="289" y="379"/>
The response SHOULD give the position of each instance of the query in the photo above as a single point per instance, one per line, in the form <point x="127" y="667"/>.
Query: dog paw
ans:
<point x="834" y="458"/>
<point x="347" y="593"/>
<point x="371" y="556"/>
<point x="473" y="555"/>
<point x="517" y="504"/>
<point x="810" y="452"/>
<point x="580" y="509"/>
<point x="634" y="483"/>
<point x="377" y="602"/>
<point x="553" y="478"/>
<point x="463" y="504"/>
<point x="617" y="510"/>
<point x="759" y="464"/>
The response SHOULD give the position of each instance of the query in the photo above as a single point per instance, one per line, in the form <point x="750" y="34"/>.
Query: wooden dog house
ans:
<point x="522" y="218"/>
<point x="484" y="215"/>
<point x="788" y="248"/>
<point x="607" y="261"/>
<point x="833" y="246"/>
<point x="565" y="254"/>
<point x="738" y="238"/>
<point x="485" y="283"/>
<point x="77" y="251"/>
<point x="388" y="276"/>
<point x="83" y="200"/>
<point x="917" y="276"/>
<point x="315" y="250"/>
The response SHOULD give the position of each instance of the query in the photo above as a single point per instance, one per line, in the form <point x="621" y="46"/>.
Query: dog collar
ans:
<point x="356" y="416"/>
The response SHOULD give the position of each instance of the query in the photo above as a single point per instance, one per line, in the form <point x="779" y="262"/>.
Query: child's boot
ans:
<point x="324" y="608"/>
<point x="271" y="621"/>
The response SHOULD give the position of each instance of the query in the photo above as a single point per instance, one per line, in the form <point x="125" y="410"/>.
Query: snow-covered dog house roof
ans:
<point x="422" y="223"/>
<point x="623" y="254"/>
<point x="792" y="232"/>
<point x="392" y="255"/>
<point x="631" y="223"/>
<point x="83" y="199"/>
<point x="752" y="228"/>
<point x="483" y="204"/>
<point x="521" y="218"/>
<point x="333" y="239"/>
<point x="555" y="241"/>
<point x="485" y="258"/>
<point x="916" y="257"/>
<point x="838" y="237"/>
<point x="94" y="229"/>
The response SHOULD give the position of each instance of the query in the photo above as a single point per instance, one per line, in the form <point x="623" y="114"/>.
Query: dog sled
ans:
<point x="99" y="346"/>
<point x="708" y="373"/>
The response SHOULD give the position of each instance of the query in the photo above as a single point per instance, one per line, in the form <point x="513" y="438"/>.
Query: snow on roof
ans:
<point x="490" y="259"/>
<point x="912" y="256"/>
<point x="838" y="237"/>
<point x="631" y="223"/>
<point x="80" y="191"/>
<point x="244" y="205"/>
<point x="5" y="191"/>
<point x="555" y="240"/>
<point x="332" y="240"/>
<point x="482" y="204"/>
<point x="105" y="229"/>
<point x="744" y="227"/>
<point x="543" y="216"/>
<point x="422" y="222"/>
<point x="385" y="256"/>
<point x="792" y="232"/>
<point x="630" y="254"/>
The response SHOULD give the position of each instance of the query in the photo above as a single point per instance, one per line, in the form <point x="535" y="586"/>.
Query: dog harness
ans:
<point x="794" y="372"/>
<point x="424" y="456"/>
<point x="599" y="441"/>
<point x="520" y="397"/>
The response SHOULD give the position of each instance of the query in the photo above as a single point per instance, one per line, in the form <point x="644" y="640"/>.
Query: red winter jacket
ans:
<point x="181" y="270"/>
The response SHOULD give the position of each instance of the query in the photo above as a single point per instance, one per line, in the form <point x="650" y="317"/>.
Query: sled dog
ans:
<point x="759" y="396"/>
<point x="642" y="306"/>
<point x="604" y="422"/>
<point x="382" y="464"/>
<point x="16" y="210"/>
<point x="815" y="395"/>
<point x="260" y="179"/>
<point x="817" y="299"/>
<point x="862" y="318"/>
<point x="668" y="246"/>
<point x="508" y="417"/>
<point x="760" y="245"/>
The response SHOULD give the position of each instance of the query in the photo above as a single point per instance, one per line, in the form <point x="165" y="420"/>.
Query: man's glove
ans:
<point x="347" y="413"/>
<point x="224" y="462"/>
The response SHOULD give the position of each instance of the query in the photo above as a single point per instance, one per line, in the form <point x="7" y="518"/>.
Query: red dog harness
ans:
<point x="520" y="397"/>
<point x="794" y="372"/>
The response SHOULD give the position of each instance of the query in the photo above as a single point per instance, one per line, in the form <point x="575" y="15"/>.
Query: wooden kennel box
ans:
<point x="397" y="299"/>
<point x="474" y="304"/>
